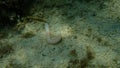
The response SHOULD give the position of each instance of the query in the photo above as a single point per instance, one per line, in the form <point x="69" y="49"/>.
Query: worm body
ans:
<point x="53" y="39"/>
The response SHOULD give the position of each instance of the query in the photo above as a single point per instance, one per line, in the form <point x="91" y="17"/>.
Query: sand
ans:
<point x="90" y="34"/>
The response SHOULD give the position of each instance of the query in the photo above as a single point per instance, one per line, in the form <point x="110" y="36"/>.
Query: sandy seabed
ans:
<point x="90" y="37"/>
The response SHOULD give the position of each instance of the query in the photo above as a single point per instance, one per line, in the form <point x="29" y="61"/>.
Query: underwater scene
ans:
<point x="59" y="33"/>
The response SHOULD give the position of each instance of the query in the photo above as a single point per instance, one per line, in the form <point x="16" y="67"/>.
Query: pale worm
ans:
<point x="51" y="39"/>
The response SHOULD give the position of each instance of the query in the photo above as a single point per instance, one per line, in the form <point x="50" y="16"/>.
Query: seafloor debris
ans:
<point x="5" y="49"/>
<point x="28" y="35"/>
